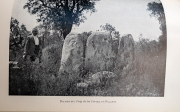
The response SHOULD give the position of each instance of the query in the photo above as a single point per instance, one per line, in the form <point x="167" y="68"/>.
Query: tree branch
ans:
<point x="45" y="4"/>
<point x="73" y="6"/>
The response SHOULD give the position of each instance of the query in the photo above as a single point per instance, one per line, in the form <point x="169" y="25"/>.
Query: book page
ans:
<point x="169" y="102"/>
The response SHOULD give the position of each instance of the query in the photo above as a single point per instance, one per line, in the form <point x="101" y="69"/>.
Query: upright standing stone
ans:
<point x="125" y="58"/>
<point x="126" y="49"/>
<point x="72" y="60"/>
<point x="100" y="55"/>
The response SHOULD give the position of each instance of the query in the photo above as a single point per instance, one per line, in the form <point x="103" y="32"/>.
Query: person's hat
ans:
<point x="35" y="30"/>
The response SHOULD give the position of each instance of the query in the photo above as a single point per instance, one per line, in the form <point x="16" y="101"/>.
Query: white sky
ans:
<point x="127" y="16"/>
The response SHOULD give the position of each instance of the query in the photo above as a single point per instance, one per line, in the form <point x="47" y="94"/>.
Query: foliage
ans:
<point x="157" y="11"/>
<point x="51" y="58"/>
<point x="109" y="28"/>
<point x="145" y="78"/>
<point x="62" y="14"/>
<point x="18" y="36"/>
<point x="49" y="36"/>
<point x="87" y="34"/>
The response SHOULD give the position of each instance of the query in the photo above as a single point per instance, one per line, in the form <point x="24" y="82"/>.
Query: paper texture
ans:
<point x="169" y="102"/>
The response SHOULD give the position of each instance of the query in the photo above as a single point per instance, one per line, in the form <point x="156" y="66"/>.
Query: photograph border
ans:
<point x="170" y="102"/>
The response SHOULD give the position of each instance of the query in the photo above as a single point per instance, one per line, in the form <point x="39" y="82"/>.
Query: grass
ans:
<point x="144" y="76"/>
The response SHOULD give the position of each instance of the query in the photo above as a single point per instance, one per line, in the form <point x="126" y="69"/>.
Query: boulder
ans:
<point x="82" y="85"/>
<point x="73" y="53"/>
<point x="101" y="77"/>
<point x="98" y="78"/>
<point x="100" y="55"/>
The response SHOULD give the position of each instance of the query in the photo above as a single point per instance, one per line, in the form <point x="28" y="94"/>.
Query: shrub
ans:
<point x="147" y="78"/>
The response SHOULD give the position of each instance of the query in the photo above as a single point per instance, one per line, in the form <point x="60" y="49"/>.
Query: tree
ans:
<point x="109" y="28"/>
<point x="18" y="35"/>
<point x="15" y="39"/>
<point x="63" y="14"/>
<point x="157" y="11"/>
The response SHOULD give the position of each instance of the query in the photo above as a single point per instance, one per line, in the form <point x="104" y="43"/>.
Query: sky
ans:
<point x="127" y="16"/>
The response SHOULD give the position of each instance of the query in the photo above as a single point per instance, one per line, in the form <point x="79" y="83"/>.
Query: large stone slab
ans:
<point x="100" y="55"/>
<point x="73" y="53"/>
<point x="126" y="47"/>
<point x="125" y="57"/>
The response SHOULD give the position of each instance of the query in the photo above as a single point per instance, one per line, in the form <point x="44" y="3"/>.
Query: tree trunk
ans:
<point x="68" y="21"/>
<point x="67" y="29"/>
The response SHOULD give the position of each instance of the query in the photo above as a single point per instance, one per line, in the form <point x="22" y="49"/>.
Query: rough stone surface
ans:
<point x="102" y="76"/>
<point x="126" y="50"/>
<point x="98" y="78"/>
<point x="82" y="85"/>
<point x="125" y="56"/>
<point x="100" y="54"/>
<point x="73" y="54"/>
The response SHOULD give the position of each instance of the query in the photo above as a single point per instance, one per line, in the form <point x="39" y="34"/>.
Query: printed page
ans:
<point x="100" y="56"/>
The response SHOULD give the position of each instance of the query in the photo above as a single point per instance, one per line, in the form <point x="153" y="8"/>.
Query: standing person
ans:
<point x="32" y="49"/>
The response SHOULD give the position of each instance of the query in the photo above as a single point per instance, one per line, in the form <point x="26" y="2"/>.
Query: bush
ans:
<point x="147" y="78"/>
<point x="55" y="38"/>
<point x="51" y="58"/>
<point x="143" y="76"/>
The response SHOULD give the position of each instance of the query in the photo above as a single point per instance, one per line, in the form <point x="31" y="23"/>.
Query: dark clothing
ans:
<point x="36" y="51"/>
<point x="31" y="49"/>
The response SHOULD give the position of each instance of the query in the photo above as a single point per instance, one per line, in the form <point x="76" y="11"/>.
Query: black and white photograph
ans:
<point x="87" y="48"/>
